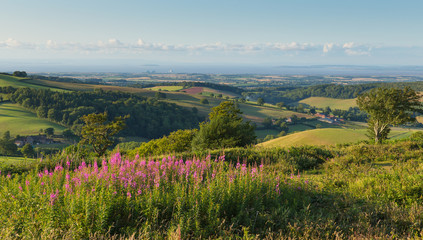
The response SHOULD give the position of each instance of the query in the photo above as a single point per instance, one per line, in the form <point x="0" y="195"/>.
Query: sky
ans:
<point x="140" y="33"/>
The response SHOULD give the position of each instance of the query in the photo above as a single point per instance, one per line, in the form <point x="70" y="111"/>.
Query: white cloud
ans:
<point x="348" y="45"/>
<point x="353" y="49"/>
<point x="327" y="47"/>
<point x="15" y="44"/>
<point x="293" y="46"/>
<point x="115" y="46"/>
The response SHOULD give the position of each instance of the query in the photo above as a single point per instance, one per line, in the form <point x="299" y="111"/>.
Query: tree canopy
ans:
<point x="98" y="132"/>
<point x="388" y="106"/>
<point x="224" y="129"/>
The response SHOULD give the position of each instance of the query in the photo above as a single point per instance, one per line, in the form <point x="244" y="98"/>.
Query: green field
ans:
<point x="209" y="91"/>
<point x="166" y="88"/>
<point x="20" y="121"/>
<point x="14" y="160"/>
<point x="265" y="132"/>
<point x="333" y="103"/>
<point x="17" y="82"/>
<point x="258" y="113"/>
<point x="328" y="136"/>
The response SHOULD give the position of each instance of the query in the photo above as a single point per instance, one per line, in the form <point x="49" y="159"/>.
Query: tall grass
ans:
<point x="350" y="192"/>
<point x="198" y="197"/>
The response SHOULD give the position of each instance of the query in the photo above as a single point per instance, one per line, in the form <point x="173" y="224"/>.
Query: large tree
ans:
<point x="388" y="106"/>
<point x="225" y="128"/>
<point x="98" y="132"/>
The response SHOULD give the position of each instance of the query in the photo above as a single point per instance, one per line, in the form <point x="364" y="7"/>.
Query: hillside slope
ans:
<point x="333" y="103"/>
<point x="18" y="120"/>
<point x="328" y="136"/>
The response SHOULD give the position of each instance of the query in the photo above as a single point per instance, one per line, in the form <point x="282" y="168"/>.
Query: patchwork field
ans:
<point x="333" y="103"/>
<point x="328" y="136"/>
<point x="18" y="120"/>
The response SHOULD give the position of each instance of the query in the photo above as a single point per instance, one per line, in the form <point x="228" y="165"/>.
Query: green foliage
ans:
<point x="204" y="101"/>
<point x="175" y="142"/>
<point x="99" y="133"/>
<point x="160" y="95"/>
<point x="362" y="191"/>
<point x="42" y="112"/>
<point x="20" y="74"/>
<point x="388" y="107"/>
<point x="69" y="135"/>
<point x="6" y="136"/>
<point x="49" y="131"/>
<point x="224" y="129"/>
<point x="260" y="101"/>
<point x="150" y="117"/>
<point x="267" y="123"/>
<point x="7" y="145"/>
<point x="28" y="150"/>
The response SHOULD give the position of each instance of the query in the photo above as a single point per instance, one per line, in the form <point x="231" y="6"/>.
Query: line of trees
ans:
<point x="225" y="128"/>
<point x="150" y="118"/>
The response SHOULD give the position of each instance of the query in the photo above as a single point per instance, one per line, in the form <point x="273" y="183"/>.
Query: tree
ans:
<point x="54" y="114"/>
<point x="267" y="123"/>
<point x="300" y="108"/>
<point x="49" y="131"/>
<point x="42" y="112"/>
<point x="20" y="74"/>
<point x="28" y="150"/>
<point x="7" y="146"/>
<point x="99" y="133"/>
<point x="386" y="107"/>
<point x="68" y="134"/>
<point x="204" y="101"/>
<point x="159" y="95"/>
<point x="225" y="128"/>
<point x="178" y="141"/>
<point x="6" y="135"/>
<point x="280" y="105"/>
<point x="327" y="110"/>
<point x="260" y="101"/>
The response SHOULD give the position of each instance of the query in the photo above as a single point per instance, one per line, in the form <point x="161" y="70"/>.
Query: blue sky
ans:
<point x="266" y="32"/>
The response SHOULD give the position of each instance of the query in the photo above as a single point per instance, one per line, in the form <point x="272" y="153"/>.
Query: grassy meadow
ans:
<point x="166" y="88"/>
<point x="17" y="82"/>
<point x="360" y="191"/>
<point x="15" y="160"/>
<point x="333" y="103"/>
<point x="329" y="136"/>
<point x="20" y="121"/>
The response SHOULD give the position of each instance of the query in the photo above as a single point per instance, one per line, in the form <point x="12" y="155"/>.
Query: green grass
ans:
<point x="209" y="91"/>
<point x="264" y="133"/>
<point x="17" y="82"/>
<point x="166" y="88"/>
<point x="14" y="160"/>
<point x="333" y="103"/>
<point x="329" y="136"/>
<point x="258" y="113"/>
<point x="20" y="121"/>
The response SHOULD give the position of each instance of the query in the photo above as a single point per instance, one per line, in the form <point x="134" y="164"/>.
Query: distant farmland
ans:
<point x="333" y="103"/>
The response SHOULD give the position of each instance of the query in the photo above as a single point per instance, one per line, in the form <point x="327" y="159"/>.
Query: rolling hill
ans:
<point x="328" y="136"/>
<point x="17" y="82"/>
<point x="20" y="121"/>
<point x="333" y="103"/>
